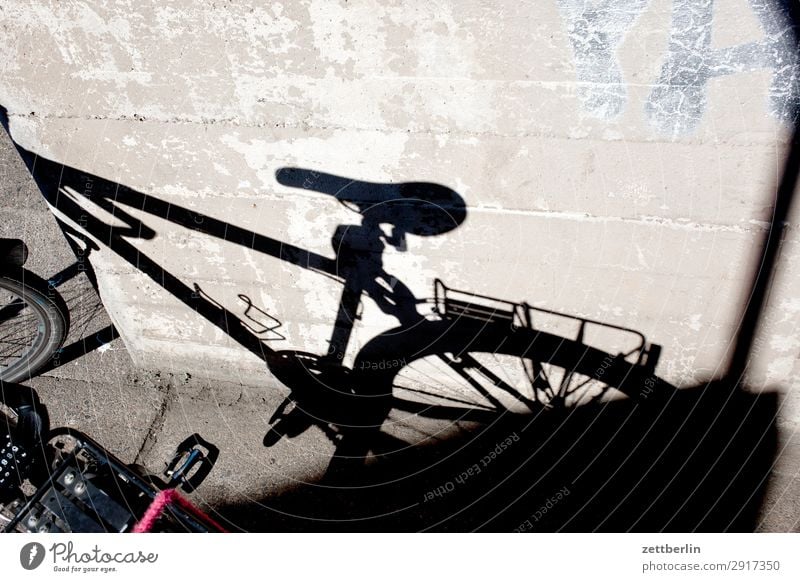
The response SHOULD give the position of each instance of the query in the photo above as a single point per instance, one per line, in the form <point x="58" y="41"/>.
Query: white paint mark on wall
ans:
<point x="596" y="29"/>
<point x="693" y="322"/>
<point x="678" y="99"/>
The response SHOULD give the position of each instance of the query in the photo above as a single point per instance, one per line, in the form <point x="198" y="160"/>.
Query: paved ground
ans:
<point x="141" y="415"/>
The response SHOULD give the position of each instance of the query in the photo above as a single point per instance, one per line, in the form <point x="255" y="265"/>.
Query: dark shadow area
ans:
<point x="700" y="463"/>
<point x="86" y="344"/>
<point x="696" y="459"/>
<point x="764" y="269"/>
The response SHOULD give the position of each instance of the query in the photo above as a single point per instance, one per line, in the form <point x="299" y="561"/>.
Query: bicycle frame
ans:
<point x="13" y="253"/>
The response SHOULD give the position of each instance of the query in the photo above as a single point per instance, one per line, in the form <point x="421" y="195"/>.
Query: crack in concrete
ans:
<point x="151" y="436"/>
<point x="779" y="138"/>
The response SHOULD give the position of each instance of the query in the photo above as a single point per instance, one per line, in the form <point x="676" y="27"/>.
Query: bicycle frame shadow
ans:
<point x="619" y="455"/>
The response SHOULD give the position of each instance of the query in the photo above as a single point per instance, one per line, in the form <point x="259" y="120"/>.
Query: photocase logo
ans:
<point x="31" y="555"/>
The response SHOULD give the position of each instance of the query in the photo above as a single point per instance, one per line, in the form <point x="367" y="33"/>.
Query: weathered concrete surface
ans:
<point x="616" y="164"/>
<point x="781" y="509"/>
<point x="586" y="193"/>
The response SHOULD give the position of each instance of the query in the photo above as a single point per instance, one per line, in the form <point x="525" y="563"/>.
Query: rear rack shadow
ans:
<point x="632" y="345"/>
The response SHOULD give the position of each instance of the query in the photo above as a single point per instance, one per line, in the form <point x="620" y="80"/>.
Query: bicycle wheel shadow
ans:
<point x="699" y="463"/>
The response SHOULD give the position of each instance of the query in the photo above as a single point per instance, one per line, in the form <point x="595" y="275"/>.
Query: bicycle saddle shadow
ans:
<point x="420" y="208"/>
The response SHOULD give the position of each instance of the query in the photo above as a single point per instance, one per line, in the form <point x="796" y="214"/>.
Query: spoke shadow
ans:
<point x="86" y="312"/>
<point x="700" y="463"/>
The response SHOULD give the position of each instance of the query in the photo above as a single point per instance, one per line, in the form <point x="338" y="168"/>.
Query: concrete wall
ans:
<point x="617" y="159"/>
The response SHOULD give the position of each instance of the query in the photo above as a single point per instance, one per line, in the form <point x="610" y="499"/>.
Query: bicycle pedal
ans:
<point x="191" y="463"/>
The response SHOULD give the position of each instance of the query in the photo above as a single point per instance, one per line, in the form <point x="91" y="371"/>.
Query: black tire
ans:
<point x="33" y="324"/>
<point x="471" y="346"/>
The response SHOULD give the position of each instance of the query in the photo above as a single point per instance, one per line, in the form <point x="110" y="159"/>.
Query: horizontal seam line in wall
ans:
<point x="644" y="220"/>
<point x="231" y="122"/>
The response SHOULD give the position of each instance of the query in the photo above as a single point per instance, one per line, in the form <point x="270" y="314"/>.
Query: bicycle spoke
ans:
<point x="20" y="329"/>
<point x="19" y="341"/>
<point x="435" y="385"/>
<point x="11" y="310"/>
<point x="20" y="326"/>
<point x="461" y="369"/>
<point x="495" y="371"/>
<point x="566" y="380"/>
<point x="18" y="345"/>
<point x="542" y="376"/>
<point x="506" y="371"/>
<point x="33" y="323"/>
<point x="499" y="382"/>
<point x="448" y="398"/>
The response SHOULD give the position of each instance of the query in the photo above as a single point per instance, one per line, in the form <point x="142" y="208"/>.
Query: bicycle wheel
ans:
<point x="33" y="324"/>
<point x="466" y="369"/>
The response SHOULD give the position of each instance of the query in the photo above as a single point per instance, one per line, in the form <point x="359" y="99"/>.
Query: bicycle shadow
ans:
<point x="700" y="463"/>
<point x="624" y="465"/>
<point x="415" y="208"/>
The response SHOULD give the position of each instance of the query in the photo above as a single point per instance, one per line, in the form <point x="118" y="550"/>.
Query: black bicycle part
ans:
<point x="20" y="442"/>
<point x="34" y="320"/>
<point x="191" y="463"/>
<point x="90" y="490"/>
<point x="13" y="252"/>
